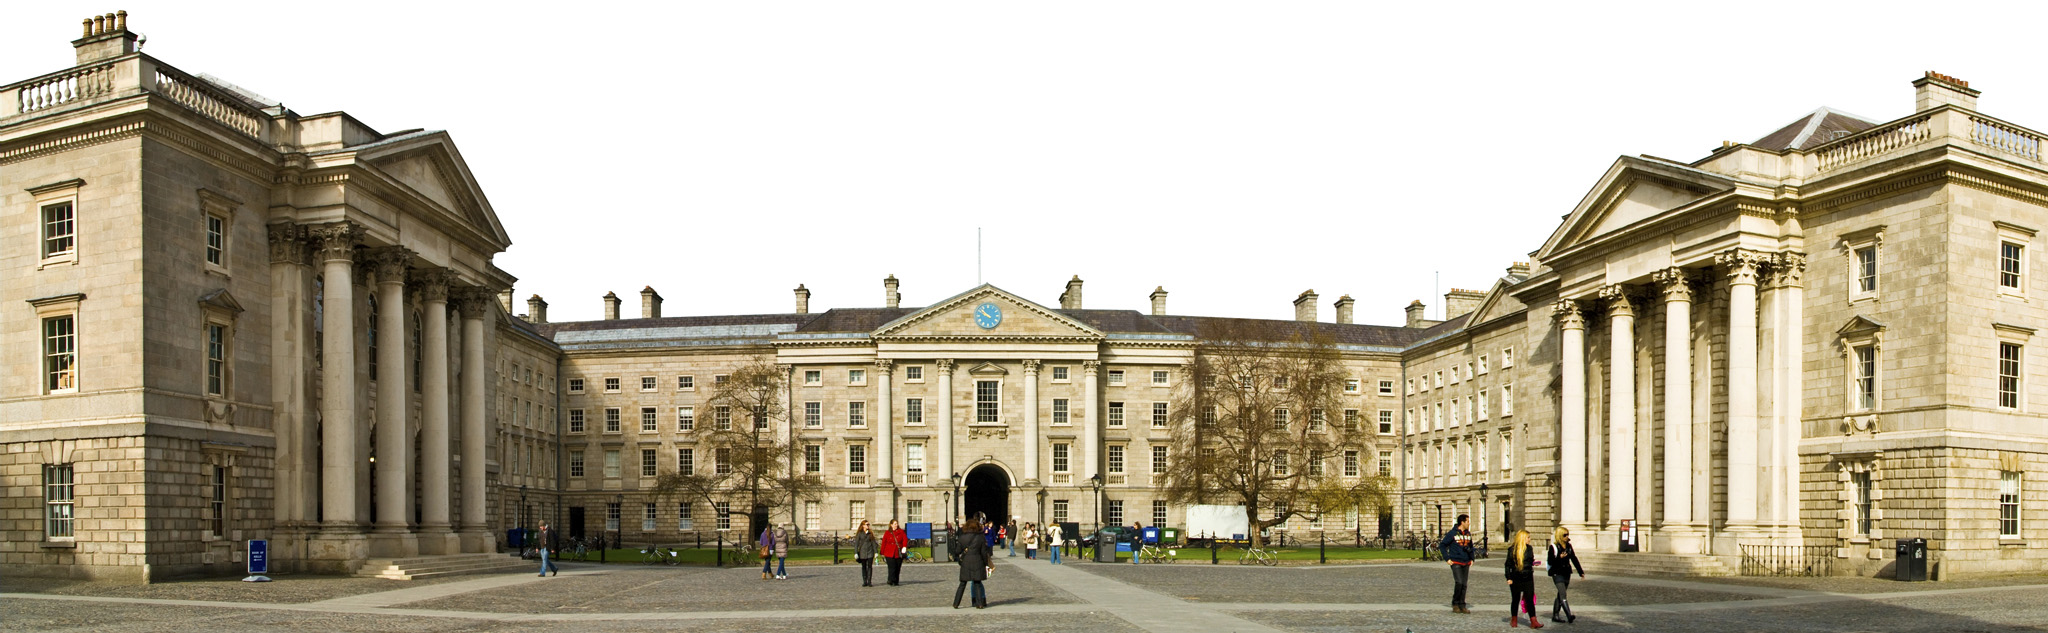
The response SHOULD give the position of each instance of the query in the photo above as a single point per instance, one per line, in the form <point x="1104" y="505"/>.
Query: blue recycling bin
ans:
<point x="514" y="538"/>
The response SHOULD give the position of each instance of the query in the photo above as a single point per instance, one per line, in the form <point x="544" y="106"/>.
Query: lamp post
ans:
<point x="522" y="516"/>
<point x="1041" y="508"/>
<point x="895" y="501"/>
<point x="1440" y="517"/>
<point x="619" y="501"/>
<point x="1096" y="481"/>
<point x="1482" y="519"/>
<point x="956" y="497"/>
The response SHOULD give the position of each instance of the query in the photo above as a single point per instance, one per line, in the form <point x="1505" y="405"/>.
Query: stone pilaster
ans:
<point x="885" y="431"/>
<point x="942" y="457"/>
<point x="1031" y="423"/>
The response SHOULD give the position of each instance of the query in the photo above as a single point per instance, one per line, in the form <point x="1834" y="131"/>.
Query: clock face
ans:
<point x="988" y="316"/>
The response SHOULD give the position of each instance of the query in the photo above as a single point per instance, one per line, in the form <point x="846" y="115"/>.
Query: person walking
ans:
<point x="1030" y="542"/>
<point x="1562" y="560"/>
<point x="1010" y="535"/>
<point x="775" y="553"/>
<point x="1457" y="550"/>
<point x="1137" y="540"/>
<point x="895" y="545"/>
<point x="1521" y="573"/>
<point x="864" y="548"/>
<point x="976" y="558"/>
<point x="1054" y="532"/>
<point x="546" y="565"/>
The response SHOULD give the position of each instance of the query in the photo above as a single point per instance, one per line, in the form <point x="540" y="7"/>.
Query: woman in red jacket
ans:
<point x="894" y="545"/>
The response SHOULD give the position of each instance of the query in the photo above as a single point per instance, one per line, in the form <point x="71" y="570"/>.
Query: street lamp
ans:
<point x="956" y="496"/>
<point x="1041" y="508"/>
<point x="1096" y="480"/>
<point x="1440" y="516"/>
<point x="522" y="512"/>
<point x="619" y="501"/>
<point x="1482" y="518"/>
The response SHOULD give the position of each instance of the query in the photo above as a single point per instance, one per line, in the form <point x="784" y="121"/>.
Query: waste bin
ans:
<point x="1912" y="565"/>
<point x="1105" y="546"/>
<point x="942" y="546"/>
<point x="513" y="538"/>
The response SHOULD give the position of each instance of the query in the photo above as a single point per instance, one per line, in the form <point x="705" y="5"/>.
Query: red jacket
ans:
<point x="893" y="542"/>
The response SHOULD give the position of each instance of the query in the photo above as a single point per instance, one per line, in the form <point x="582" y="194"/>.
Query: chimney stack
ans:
<point x="611" y="306"/>
<point x="1305" y="306"/>
<point x="803" y="299"/>
<point x="536" y="310"/>
<point x="505" y="300"/>
<point x="106" y="37"/>
<point x="1461" y="302"/>
<point x="650" y="303"/>
<point x="1415" y="314"/>
<point x="889" y="295"/>
<point x="1935" y="90"/>
<point x="1071" y="299"/>
<point x="1518" y="269"/>
<point x="1159" y="301"/>
<point x="1344" y="309"/>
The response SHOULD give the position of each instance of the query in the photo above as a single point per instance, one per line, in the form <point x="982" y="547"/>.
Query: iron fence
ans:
<point x="1788" y="560"/>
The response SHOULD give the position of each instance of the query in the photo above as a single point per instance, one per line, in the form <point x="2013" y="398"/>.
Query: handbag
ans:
<point x="764" y="551"/>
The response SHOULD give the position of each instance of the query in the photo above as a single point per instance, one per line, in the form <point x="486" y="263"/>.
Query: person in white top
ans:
<point x="1054" y="531"/>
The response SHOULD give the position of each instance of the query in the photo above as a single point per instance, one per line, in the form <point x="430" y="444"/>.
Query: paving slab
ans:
<point x="704" y="589"/>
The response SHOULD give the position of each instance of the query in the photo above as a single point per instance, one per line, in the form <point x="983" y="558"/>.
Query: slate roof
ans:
<point x="1815" y="129"/>
<point x="861" y="320"/>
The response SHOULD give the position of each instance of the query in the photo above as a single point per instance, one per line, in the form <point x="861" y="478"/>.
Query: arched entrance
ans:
<point x="987" y="492"/>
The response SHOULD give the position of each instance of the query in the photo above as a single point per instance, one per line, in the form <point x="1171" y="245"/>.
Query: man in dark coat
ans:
<point x="1457" y="549"/>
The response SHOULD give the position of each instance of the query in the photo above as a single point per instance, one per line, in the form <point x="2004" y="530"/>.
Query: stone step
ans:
<point x="428" y="566"/>
<point x="1652" y="564"/>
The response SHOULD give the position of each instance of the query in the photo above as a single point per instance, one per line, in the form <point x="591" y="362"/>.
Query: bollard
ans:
<point x="1322" y="549"/>
<point x="1212" y="551"/>
<point x="835" y="551"/>
<point x="721" y="550"/>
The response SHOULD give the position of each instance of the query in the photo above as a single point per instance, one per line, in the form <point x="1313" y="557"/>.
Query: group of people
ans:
<point x="1561" y="561"/>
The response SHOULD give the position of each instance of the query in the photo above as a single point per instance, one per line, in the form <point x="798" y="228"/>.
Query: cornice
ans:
<point x="73" y="141"/>
<point x="957" y="338"/>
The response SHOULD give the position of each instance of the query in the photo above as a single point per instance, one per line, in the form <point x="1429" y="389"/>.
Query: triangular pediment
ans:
<point x="427" y="164"/>
<point x="222" y="301"/>
<point x="1859" y="324"/>
<point x="1633" y="190"/>
<point x="960" y="316"/>
<point x="988" y="369"/>
<point x="1498" y="303"/>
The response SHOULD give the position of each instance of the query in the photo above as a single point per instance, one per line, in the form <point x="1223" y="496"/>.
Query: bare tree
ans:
<point x="755" y="453"/>
<point x="1256" y="422"/>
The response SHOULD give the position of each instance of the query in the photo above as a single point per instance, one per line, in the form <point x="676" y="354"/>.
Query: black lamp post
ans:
<point x="956" y="497"/>
<point x="1440" y="517"/>
<point x="1041" y="509"/>
<point x="522" y="516"/>
<point x="1096" y="480"/>
<point x="619" y="531"/>
<point x="1482" y="519"/>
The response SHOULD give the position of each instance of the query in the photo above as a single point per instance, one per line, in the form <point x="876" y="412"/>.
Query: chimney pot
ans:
<point x="121" y="20"/>
<point x="536" y="309"/>
<point x="1344" y="309"/>
<point x="1416" y="310"/>
<point x="1305" y="306"/>
<point x="88" y="29"/>
<point x="650" y="303"/>
<point x="611" y="306"/>
<point x="99" y="25"/>
<point x="889" y="295"/>
<point x="1159" y="301"/>
<point x="803" y="299"/>
<point x="106" y="37"/>
<point x="1461" y="302"/>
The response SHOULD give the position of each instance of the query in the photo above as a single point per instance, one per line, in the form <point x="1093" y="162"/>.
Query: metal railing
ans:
<point x="1788" y="560"/>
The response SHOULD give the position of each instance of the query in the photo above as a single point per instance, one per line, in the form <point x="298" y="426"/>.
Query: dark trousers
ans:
<point x="895" y="570"/>
<point x="1559" y="603"/>
<point x="1522" y="598"/>
<point x="980" y="595"/>
<point x="867" y="572"/>
<point x="1458" y="575"/>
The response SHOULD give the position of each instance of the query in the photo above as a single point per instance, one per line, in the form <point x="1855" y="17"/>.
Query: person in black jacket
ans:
<point x="976" y="557"/>
<point x="1457" y="550"/>
<point x="1562" y="560"/>
<point x="1521" y="571"/>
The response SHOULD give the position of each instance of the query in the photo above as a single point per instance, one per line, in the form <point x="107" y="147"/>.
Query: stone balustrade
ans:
<point x="129" y="75"/>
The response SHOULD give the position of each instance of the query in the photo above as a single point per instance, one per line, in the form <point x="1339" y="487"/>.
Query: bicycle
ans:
<point x="654" y="555"/>
<point x="915" y="556"/>
<point x="1155" y="554"/>
<point x="1257" y="555"/>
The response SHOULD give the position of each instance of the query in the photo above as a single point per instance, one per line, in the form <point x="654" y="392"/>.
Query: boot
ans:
<point x="1515" y="621"/>
<point x="1533" y="623"/>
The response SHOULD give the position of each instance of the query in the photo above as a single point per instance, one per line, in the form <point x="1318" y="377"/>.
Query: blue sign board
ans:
<point x="259" y="557"/>
<point x="916" y="531"/>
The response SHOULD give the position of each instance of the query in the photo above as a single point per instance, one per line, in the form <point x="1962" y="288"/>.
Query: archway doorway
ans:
<point x="987" y="493"/>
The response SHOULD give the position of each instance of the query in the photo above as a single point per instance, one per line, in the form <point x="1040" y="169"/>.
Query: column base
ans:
<point x="438" y="540"/>
<point x="1588" y="537"/>
<point x="1683" y="539"/>
<point x="477" y="541"/>
<point x="394" y="542"/>
<point x="336" y="549"/>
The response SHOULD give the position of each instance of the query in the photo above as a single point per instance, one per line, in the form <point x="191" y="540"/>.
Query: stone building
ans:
<point x="1459" y="431"/>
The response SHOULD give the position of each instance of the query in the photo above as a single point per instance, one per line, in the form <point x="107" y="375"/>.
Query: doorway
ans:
<point x="987" y="493"/>
<point x="576" y="522"/>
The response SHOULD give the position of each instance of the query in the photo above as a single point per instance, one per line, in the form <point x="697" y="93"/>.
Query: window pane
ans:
<point x="216" y="239"/>
<point x="60" y="348"/>
<point x="2009" y="264"/>
<point x="59" y="229"/>
<point x="987" y="401"/>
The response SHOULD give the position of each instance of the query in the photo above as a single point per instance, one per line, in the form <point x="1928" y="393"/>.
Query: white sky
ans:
<point x="1235" y="153"/>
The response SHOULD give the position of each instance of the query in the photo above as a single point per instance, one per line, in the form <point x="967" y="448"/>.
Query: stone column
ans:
<point x="338" y="423"/>
<point x="437" y="533"/>
<point x="1621" y="404"/>
<point x="885" y="446"/>
<point x="1571" y="406"/>
<point x="1678" y="404"/>
<point x="1741" y="265"/>
<point x="391" y="536"/>
<point x="1031" y="422"/>
<point x="1091" y="422"/>
<point x="474" y="303"/>
<point x="1790" y="271"/>
<point x="942" y="456"/>
<point x="291" y="347"/>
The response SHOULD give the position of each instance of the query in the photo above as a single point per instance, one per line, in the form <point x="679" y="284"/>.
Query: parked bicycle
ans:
<point x="1258" y="555"/>
<point x="916" y="556"/>
<point x="654" y="554"/>
<point x="1156" y="554"/>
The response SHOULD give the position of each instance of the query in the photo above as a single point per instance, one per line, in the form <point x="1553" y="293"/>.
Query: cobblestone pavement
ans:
<point x="1026" y="597"/>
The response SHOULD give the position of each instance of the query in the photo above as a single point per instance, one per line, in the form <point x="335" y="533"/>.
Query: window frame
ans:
<point x="914" y="458"/>
<point x="1113" y="458"/>
<point x="686" y="460"/>
<point x="575" y="386"/>
<point x="913" y="411"/>
<point x="650" y="464"/>
<point x="814" y="414"/>
<point x="650" y="420"/>
<point x="988" y="411"/>
<point x="612" y="385"/>
<point x="1115" y="378"/>
<point x="1159" y="457"/>
<point x="613" y="423"/>
<point x="1161" y="414"/>
<point x="857" y="414"/>
<point x="1114" y="414"/>
<point x="814" y="378"/>
<point x="576" y="465"/>
<point x="856" y="377"/>
<point x="1062" y="458"/>
<point x="217" y="340"/>
<point x="1062" y="412"/>
<point x="60" y="494"/>
<point x="2011" y="386"/>
<point x="913" y="373"/>
<point x="1162" y="378"/>
<point x="1062" y="373"/>
<point x="2011" y="503"/>
<point x="578" y="423"/>
<point x="686" y="419"/>
<point x="60" y="373"/>
<point x="686" y="382"/>
<point x="856" y="458"/>
<point x="649" y="384"/>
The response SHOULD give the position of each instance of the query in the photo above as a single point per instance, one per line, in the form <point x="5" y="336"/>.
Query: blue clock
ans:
<point x="988" y="316"/>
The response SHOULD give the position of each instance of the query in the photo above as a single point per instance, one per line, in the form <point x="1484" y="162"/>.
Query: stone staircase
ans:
<point x="429" y="566"/>
<point x="1653" y="564"/>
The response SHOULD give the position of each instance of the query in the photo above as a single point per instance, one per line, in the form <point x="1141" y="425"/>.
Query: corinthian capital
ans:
<point x="1619" y="304"/>
<point x="1742" y="264"/>
<point x="287" y="244"/>
<point x="884" y="365"/>
<point x="1787" y="269"/>
<point x="1031" y="367"/>
<point x="390" y="263"/>
<point x="472" y="300"/>
<point x="1675" y="282"/>
<point x="1568" y="314"/>
<point x="945" y="364"/>
<point x="433" y="283"/>
<point x="336" y="241"/>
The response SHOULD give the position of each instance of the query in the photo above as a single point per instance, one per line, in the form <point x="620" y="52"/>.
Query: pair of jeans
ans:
<point x="980" y="596"/>
<point x="545" y="564"/>
<point x="1459" y="573"/>
<point x="1055" y="554"/>
<point x="1560" y="603"/>
<point x="895" y="570"/>
<point x="1031" y="553"/>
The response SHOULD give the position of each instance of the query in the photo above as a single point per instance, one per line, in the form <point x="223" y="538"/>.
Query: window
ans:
<point x="1386" y="387"/>
<point x="1410" y="426"/>
<point x="1061" y="457"/>
<point x="60" y="231"/>
<point x="647" y="384"/>
<point x="686" y="383"/>
<point x="1454" y="374"/>
<point x="2008" y="375"/>
<point x="1480" y="404"/>
<point x="1209" y="415"/>
<point x="575" y="385"/>
<point x="913" y="411"/>
<point x="857" y="414"/>
<point x="1411" y="387"/>
<point x="720" y="379"/>
<point x="2011" y="265"/>
<point x="216" y="240"/>
<point x="1059" y="511"/>
<point x="1315" y="462"/>
<point x="1060" y="412"/>
<point x="721" y="461"/>
<point x="724" y="511"/>
<point x="1454" y="412"/>
<point x="1865" y="376"/>
<point x="1482" y="364"/>
<point x="1116" y="415"/>
<point x="813" y="378"/>
<point x="1115" y="512"/>
<point x="686" y="419"/>
<point x="1280" y="466"/>
<point x="1280" y="419"/>
<point x="1116" y="377"/>
<point x="1159" y="378"/>
<point x="575" y="463"/>
<point x="814" y="458"/>
<point x="1116" y="459"/>
<point x="857" y="459"/>
<point x="1507" y="400"/>
<point x="1317" y="421"/>
<point x="647" y="468"/>
<point x="1350" y="463"/>
<point x="811" y="515"/>
<point x="60" y="354"/>
<point x="856" y="512"/>
<point x="2008" y="504"/>
<point x="1280" y="382"/>
<point x="1386" y="463"/>
<point x="1507" y="357"/>
<point x="611" y="420"/>
<point x="611" y="516"/>
<point x="216" y="359"/>
<point x="913" y="458"/>
<point x="721" y="417"/>
<point x="1438" y="414"/>
<point x="611" y="385"/>
<point x="1386" y="422"/>
<point x="217" y="503"/>
<point x="611" y="464"/>
<point x="1158" y="459"/>
<point x="1159" y="415"/>
<point x="1439" y="379"/>
<point x="856" y="377"/>
<point x="1351" y="385"/>
<point x="988" y="402"/>
<point x="686" y="461"/>
<point x="814" y="415"/>
<point x="913" y="373"/>
<point x="1059" y="373"/>
<point x="760" y="417"/>
<point x="1861" y="481"/>
<point x="913" y="510"/>
<point x="1479" y="454"/>
<point x="683" y="522"/>
<point x="649" y="422"/>
<point x="1865" y="262"/>
<point x="1159" y="512"/>
<point x="575" y="420"/>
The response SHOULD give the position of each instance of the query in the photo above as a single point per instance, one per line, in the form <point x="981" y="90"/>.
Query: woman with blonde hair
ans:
<point x="1521" y="571"/>
<point x="1562" y="560"/>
